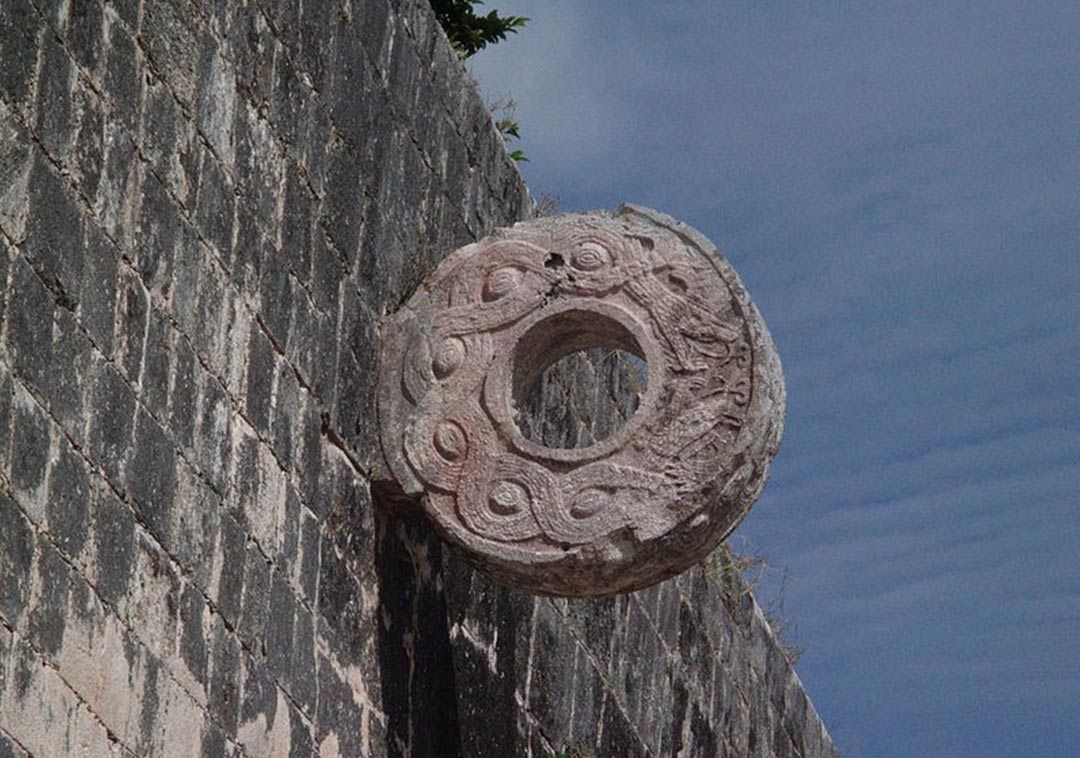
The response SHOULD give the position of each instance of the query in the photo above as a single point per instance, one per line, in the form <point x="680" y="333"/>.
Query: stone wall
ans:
<point x="205" y="207"/>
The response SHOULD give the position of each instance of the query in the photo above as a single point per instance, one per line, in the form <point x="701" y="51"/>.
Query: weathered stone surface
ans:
<point x="652" y="499"/>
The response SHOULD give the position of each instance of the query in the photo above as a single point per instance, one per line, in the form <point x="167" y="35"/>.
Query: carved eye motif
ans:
<point x="508" y="497"/>
<point x="501" y="282"/>
<point x="590" y="257"/>
<point x="590" y="501"/>
<point x="450" y="441"/>
<point x="448" y="357"/>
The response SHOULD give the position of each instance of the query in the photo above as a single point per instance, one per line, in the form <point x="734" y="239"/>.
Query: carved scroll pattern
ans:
<point x="445" y="421"/>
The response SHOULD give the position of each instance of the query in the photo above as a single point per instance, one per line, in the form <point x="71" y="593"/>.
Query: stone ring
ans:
<point x="459" y="359"/>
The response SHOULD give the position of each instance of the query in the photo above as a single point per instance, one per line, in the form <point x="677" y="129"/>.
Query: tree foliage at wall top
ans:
<point x="469" y="32"/>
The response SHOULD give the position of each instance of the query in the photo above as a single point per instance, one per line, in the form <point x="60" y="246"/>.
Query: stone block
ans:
<point x="248" y="251"/>
<point x="194" y="620"/>
<point x="157" y="234"/>
<point x="195" y="526"/>
<point x="86" y="160"/>
<point x="213" y="432"/>
<point x="259" y="170"/>
<point x="171" y="40"/>
<point x="7" y="392"/>
<point x="342" y="212"/>
<point x="56" y="117"/>
<point x="251" y="47"/>
<point x="320" y="31"/>
<point x="258" y="705"/>
<point x="279" y="628"/>
<point x="124" y="72"/>
<point x="114" y="544"/>
<point x="153" y="600"/>
<point x="552" y="664"/>
<point x="297" y="222"/>
<point x="97" y="290"/>
<point x="151" y="476"/>
<point x="30" y="445"/>
<point x="68" y="506"/>
<point x="303" y="681"/>
<point x="312" y="151"/>
<point x="29" y="325"/>
<point x="255" y="608"/>
<point x="288" y="554"/>
<point x="49" y="609"/>
<point x="230" y="584"/>
<point x="275" y="292"/>
<point x="376" y="29"/>
<point x="54" y="232"/>
<point x="154" y="378"/>
<point x="327" y="273"/>
<point x="287" y="414"/>
<point x="291" y="97"/>
<point x="132" y="313"/>
<point x="183" y="393"/>
<point x="343" y="623"/>
<point x="165" y="130"/>
<point x="216" y="99"/>
<point x="338" y="712"/>
<point x="20" y="35"/>
<point x="260" y="380"/>
<point x="69" y="384"/>
<point x="117" y="195"/>
<point x="308" y="564"/>
<point x="16" y="158"/>
<point x="215" y="207"/>
<point x="17" y="546"/>
<point x="223" y="700"/>
<point x="84" y="33"/>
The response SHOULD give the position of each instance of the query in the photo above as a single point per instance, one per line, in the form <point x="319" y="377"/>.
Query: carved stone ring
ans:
<point x="461" y="356"/>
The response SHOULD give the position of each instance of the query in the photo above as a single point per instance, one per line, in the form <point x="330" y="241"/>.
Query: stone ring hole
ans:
<point x="578" y="377"/>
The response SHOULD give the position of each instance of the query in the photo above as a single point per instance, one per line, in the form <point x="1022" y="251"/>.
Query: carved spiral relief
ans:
<point x="636" y="507"/>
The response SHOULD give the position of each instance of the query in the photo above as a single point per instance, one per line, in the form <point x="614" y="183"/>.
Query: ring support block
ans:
<point x="647" y="502"/>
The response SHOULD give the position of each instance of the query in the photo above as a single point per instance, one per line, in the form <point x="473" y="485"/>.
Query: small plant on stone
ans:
<point x="546" y="205"/>
<point x="506" y="122"/>
<point x="738" y="574"/>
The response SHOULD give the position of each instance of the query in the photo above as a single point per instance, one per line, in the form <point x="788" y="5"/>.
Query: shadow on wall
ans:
<point x="416" y="663"/>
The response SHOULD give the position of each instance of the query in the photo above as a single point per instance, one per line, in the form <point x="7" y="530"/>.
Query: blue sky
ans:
<point x="899" y="186"/>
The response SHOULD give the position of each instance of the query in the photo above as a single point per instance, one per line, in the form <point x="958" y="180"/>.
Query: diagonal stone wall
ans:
<point x="205" y="207"/>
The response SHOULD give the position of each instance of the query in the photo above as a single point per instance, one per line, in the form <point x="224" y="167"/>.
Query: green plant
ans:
<point x="470" y="32"/>
<point x="507" y="124"/>
<point x="508" y="127"/>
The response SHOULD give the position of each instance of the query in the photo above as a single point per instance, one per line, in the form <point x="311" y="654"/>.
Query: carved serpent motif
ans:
<point x="458" y="359"/>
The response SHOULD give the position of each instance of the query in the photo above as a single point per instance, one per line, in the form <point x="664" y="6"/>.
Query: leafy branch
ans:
<point x="470" y="32"/>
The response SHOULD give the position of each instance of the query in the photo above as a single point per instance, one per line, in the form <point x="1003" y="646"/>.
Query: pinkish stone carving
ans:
<point x="637" y="507"/>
